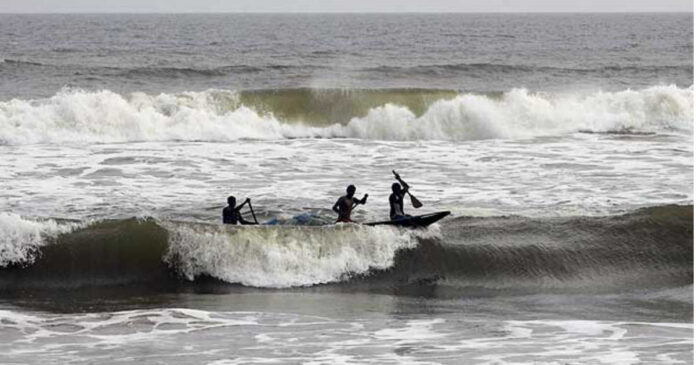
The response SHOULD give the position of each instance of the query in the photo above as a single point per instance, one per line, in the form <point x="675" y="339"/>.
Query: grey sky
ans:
<point x="170" y="6"/>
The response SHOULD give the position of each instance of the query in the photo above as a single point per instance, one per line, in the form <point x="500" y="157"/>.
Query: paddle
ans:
<point x="361" y="201"/>
<point x="416" y="203"/>
<point x="252" y="210"/>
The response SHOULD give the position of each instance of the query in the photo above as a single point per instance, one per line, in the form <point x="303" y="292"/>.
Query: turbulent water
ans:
<point x="562" y="144"/>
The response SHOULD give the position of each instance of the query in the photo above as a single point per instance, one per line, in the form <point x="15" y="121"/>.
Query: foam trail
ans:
<point x="21" y="238"/>
<point x="280" y="257"/>
<point x="217" y="115"/>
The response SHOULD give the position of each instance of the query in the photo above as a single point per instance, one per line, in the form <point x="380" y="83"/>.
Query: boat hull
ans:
<point x="419" y="221"/>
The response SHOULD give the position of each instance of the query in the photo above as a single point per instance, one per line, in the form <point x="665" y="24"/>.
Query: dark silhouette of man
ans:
<point x="396" y="199"/>
<point x="231" y="214"/>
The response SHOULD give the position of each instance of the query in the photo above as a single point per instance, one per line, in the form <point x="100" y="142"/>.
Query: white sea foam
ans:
<point x="520" y="113"/>
<point x="256" y="337"/>
<point x="77" y="116"/>
<point x="21" y="238"/>
<point x="280" y="257"/>
<point x="215" y="115"/>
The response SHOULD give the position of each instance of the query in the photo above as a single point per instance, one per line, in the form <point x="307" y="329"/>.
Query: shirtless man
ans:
<point x="345" y="204"/>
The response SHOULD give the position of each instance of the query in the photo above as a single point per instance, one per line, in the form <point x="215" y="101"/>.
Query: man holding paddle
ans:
<point x="396" y="199"/>
<point x="345" y="204"/>
<point x="231" y="214"/>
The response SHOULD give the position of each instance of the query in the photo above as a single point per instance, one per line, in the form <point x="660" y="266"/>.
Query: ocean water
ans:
<point x="561" y="143"/>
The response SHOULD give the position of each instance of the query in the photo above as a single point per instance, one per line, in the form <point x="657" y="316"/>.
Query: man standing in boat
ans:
<point x="231" y="214"/>
<point x="345" y="204"/>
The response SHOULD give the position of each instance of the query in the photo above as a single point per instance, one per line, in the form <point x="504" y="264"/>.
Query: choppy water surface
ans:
<point x="580" y="174"/>
<point x="185" y="335"/>
<point x="562" y="145"/>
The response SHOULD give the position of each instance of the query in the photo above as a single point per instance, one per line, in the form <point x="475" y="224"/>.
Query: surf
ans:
<point x="78" y="116"/>
<point x="650" y="247"/>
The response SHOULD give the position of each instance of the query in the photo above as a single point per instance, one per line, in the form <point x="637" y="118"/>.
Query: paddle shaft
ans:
<point x="414" y="201"/>
<point x="359" y="202"/>
<point x="252" y="212"/>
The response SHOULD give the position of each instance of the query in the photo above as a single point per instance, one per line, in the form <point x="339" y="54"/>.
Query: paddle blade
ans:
<point x="416" y="203"/>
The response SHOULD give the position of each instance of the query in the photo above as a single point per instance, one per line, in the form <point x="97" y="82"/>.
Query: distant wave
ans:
<point x="510" y="69"/>
<point x="480" y="68"/>
<point x="400" y="114"/>
<point x="649" y="247"/>
<point x="154" y="71"/>
<point x="179" y="72"/>
<point x="171" y="72"/>
<point x="19" y="63"/>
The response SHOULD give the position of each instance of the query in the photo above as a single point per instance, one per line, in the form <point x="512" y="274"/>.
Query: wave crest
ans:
<point x="286" y="256"/>
<point x="20" y="239"/>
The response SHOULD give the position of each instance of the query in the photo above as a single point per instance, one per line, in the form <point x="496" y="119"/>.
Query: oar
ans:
<point x="356" y="203"/>
<point x="252" y="212"/>
<point x="416" y="203"/>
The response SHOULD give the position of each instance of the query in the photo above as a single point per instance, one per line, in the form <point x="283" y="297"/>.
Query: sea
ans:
<point x="562" y="145"/>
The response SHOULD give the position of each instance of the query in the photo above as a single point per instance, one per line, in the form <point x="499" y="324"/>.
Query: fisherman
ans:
<point x="396" y="199"/>
<point x="231" y="214"/>
<point x="345" y="204"/>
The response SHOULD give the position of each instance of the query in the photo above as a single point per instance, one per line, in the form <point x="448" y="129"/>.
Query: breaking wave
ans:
<point x="651" y="247"/>
<point x="74" y="116"/>
<point x="21" y="239"/>
<point x="284" y="257"/>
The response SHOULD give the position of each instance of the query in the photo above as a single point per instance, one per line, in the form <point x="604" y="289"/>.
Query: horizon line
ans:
<point x="336" y="12"/>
